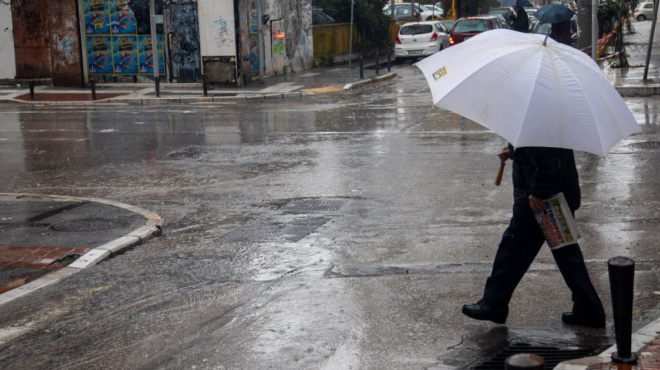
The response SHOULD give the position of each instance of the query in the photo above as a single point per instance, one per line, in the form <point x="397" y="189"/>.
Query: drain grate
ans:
<point x="89" y="224"/>
<point x="262" y="231"/>
<point x="552" y="354"/>
<point x="313" y="205"/>
<point x="645" y="145"/>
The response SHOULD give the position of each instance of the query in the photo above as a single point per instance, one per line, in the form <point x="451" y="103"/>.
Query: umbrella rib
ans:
<point x="579" y="82"/>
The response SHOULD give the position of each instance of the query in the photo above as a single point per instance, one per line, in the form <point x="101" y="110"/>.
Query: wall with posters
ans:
<point x="7" y="56"/>
<point x="114" y="46"/>
<point x="46" y="40"/>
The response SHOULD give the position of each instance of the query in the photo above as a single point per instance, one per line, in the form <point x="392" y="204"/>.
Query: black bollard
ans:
<point x="389" y="59"/>
<point x="622" y="281"/>
<point x="527" y="361"/>
<point x="93" y="84"/>
<point x="205" y="84"/>
<point x="31" y="83"/>
<point x="377" y="63"/>
<point x="157" y="82"/>
<point x="361" y="66"/>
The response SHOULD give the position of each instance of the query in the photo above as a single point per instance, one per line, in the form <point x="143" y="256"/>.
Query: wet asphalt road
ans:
<point x="340" y="231"/>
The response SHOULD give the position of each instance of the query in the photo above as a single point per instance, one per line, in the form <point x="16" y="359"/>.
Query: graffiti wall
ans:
<point x="289" y="37"/>
<point x="7" y="56"/>
<point x="46" y="40"/>
<point x="218" y="29"/>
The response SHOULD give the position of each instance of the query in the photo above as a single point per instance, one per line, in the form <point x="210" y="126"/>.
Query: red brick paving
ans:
<point x="649" y="359"/>
<point x="33" y="257"/>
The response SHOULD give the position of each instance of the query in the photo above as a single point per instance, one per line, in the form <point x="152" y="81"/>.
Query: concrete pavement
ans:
<point x="297" y="85"/>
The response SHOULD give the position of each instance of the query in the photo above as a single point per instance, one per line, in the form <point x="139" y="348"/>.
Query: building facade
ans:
<point x="228" y="41"/>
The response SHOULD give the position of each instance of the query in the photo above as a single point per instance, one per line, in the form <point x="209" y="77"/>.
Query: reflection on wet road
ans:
<point x="267" y="203"/>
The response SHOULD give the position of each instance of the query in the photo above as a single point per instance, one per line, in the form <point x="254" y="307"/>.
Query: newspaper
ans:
<point x="557" y="222"/>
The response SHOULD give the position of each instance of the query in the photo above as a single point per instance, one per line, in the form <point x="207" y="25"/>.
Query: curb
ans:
<point x="151" y="228"/>
<point x="361" y="83"/>
<point x="640" y="339"/>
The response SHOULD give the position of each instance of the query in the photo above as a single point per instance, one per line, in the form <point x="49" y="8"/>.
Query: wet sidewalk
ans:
<point x="45" y="238"/>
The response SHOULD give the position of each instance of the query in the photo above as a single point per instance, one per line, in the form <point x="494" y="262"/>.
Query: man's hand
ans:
<point x="535" y="204"/>
<point x="504" y="154"/>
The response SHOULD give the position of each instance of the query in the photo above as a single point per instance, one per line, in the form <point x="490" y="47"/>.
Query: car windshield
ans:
<point x="472" y="25"/>
<point x="416" y="29"/>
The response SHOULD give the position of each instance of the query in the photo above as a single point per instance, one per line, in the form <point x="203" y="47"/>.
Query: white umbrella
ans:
<point x="530" y="91"/>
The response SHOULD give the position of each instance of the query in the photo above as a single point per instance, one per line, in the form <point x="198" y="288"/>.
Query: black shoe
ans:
<point x="484" y="311"/>
<point x="571" y="318"/>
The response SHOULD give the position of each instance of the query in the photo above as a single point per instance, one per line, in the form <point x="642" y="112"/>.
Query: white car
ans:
<point x="643" y="11"/>
<point x="420" y="39"/>
<point x="425" y="11"/>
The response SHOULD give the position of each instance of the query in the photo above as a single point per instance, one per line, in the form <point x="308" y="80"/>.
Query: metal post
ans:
<point x="648" y="51"/>
<point x="350" y="41"/>
<point x="31" y="83"/>
<point x="594" y="29"/>
<point x="361" y="66"/>
<point x="154" y="44"/>
<point x="389" y="59"/>
<point x="377" y="63"/>
<point x="622" y="281"/>
<point x="527" y="361"/>
<point x="205" y="84"/>
<point x="93" y="83"/>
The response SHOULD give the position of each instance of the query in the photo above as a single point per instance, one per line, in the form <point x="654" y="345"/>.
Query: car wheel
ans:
<point x="641" y="18"/>
<point x="441" y="47"/>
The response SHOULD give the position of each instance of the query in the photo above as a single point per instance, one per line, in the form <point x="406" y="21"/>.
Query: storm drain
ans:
<point x="262" y="231"/>
<point x="645" y="145"/>
<point x="89" y="224"/>
<point x="313" y="205"/>
<point x="552" y="354"/>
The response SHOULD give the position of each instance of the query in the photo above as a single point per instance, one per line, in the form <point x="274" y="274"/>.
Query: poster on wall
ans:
<point x="95" y="6"/>
<point x="99" y="55"/>
<point x="97" y="23"/>
<point x="147" y="55"/>
<point x="118" y="5"/>
<point x="123" y="23"/>
<point x="125" y="54"/>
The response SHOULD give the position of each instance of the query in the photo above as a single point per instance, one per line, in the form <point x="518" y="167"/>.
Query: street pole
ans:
<point x="154" y="44"/>
<point x="350" y="39"/>
<point x="260" y="40"/>
<point x="648" y="52"/>
<point x="594" y="29"/>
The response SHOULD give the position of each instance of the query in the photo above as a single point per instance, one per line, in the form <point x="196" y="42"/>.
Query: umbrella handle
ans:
<point x="498" y="179"/>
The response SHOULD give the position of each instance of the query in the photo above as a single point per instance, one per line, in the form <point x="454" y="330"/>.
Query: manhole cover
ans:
<point x="89" y="224"/>
<point x="553" y="354"/>
<point x="313" y="205"/>
<point x="263" y="231"/>
<point x="645" y="145"/>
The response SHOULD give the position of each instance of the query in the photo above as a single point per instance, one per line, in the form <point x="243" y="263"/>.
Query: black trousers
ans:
<point x="520" y="244"/>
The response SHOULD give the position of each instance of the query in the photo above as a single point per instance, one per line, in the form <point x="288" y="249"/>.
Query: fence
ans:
<point x="332" y="40"/>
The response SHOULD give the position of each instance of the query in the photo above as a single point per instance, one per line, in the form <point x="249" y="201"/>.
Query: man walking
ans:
<point x="538" y="173"/>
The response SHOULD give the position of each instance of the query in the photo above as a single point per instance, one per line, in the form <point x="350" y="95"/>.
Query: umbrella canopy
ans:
<point x="554" y="13"/>
<point x="523" y="3"/>
<point x="531" y="92"/>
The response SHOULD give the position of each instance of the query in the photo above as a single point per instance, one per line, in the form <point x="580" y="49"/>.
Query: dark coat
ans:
<point x="520" y="22"/>
<point x="543" y="172"/>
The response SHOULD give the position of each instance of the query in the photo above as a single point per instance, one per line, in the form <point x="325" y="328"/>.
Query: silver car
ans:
<point x="420" y="39"/>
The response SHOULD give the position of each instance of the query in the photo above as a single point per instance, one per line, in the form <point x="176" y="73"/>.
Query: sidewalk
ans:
<point x="46" y="238"/>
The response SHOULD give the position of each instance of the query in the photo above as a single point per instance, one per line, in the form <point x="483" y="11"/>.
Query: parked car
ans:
<point x="420" y="39"/>
<point x="643" y="11"/>
<point x="544" y="28"/>
<point x="436" y="11"/>
<point x="425" y="14"/>
<point x="505" y="12"/>
<point x="464" y="28"/>
<point x="403" y="12"/>
<point x="320" y="17"/>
